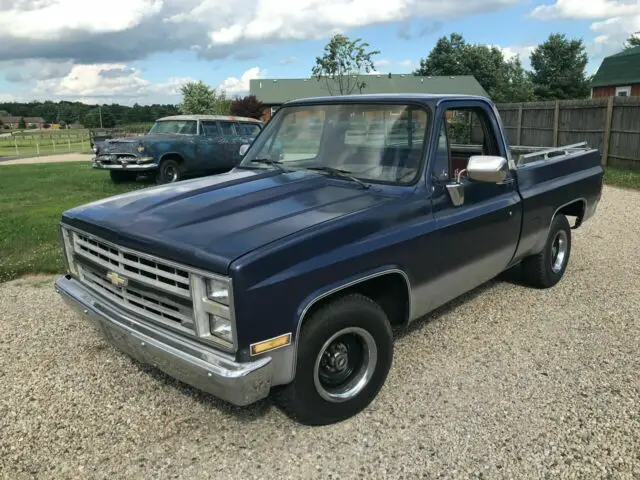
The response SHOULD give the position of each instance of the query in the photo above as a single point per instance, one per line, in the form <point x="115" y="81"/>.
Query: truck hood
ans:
<point x="209" y="222"/>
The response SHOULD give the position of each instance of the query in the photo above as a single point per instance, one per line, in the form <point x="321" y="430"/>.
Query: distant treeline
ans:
<point x="89" y="115"/>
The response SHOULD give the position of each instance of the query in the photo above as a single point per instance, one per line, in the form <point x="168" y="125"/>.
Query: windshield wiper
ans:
<point x="338" y="172"/>
<point x="270" y="161"/>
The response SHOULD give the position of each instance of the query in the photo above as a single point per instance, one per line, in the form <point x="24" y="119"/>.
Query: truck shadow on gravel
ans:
<point x="246" y="414"/>
<point x="511" y="276"/>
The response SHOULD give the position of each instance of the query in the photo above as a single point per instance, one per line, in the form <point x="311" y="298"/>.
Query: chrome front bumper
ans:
<point x="129" y="166"/>
<point x="179" y="357"/>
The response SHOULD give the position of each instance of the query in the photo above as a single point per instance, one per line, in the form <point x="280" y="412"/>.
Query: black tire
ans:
<point x="303" y="399"/>
<point x="168" y="172"/>
<point x="119" y="176"/>
<point x="546" y="269"/>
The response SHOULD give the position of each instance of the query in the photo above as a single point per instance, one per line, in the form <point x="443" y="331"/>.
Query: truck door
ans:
<point x="478" y="239"/>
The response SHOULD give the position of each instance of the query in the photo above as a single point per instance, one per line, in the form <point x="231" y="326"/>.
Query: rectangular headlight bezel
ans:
<point x="66" y="238"/>
<point x="204" y="308"/>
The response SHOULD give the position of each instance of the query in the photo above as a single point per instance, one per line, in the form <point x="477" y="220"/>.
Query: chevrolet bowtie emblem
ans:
<point x="117" y="280"/>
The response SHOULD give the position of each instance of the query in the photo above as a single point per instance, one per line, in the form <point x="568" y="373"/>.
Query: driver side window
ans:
<point x="470" y="133"/>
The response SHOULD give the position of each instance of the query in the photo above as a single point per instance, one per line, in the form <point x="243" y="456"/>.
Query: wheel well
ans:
<point x="574" y="209"/>
<point x="172" y="156"/>
<point x="390" y="291"/>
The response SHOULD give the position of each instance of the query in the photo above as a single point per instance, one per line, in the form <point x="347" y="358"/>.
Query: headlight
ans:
<point x="218" y="290"/>
<point x="140" y="148"/>
<point x="221" y="327"/>
<point x="95" y="149"/>
<point x="67" y="245"/>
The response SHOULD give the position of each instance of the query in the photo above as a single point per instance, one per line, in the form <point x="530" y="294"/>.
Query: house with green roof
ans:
<point x="273" y="92"/>
<point x="618" y="75"/>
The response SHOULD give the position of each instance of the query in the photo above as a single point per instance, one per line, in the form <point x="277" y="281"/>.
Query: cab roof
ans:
<point x="231" y="118"/>
<point x="426" y="98"/>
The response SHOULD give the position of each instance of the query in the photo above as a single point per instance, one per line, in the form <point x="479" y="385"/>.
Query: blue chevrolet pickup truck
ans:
<point x="285" y="275"/>
<point x="177" y="147"/>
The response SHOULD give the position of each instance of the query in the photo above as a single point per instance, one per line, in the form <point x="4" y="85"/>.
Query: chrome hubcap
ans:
<point x="559" y="251"/>
<point x="345" y="364"/>
<point x="171" y="174"/>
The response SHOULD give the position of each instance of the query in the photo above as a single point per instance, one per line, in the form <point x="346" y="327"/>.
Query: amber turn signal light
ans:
<point x="271" y="344"/>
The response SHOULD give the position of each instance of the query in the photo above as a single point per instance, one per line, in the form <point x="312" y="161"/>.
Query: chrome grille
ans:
<point x="159" y="308"/>
<point x="143" y="269"/>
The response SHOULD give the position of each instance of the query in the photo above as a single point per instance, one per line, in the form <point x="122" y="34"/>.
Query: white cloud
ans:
<point x="171" y="86"/>
<point x="616" y="20"/>
<point x="106" y="83"/>
<point x="240" y="86"/>
<point x="100" y="31"/>
<point x="514" y="51"/>
<point x="590" y="9"/>
<point x="614" y="31"/>
<point x="47" y="20"/>
<point x="8" y="97"/>
<point x="258" y="20"/>
<point x="100" y="80"/>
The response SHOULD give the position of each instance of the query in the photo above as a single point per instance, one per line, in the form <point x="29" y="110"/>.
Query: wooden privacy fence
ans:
<point x="612" y="125"/>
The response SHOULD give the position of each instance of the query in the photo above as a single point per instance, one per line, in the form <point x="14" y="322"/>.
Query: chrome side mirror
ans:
<point x="243" y="149"/>
<point x="486" y="168"/>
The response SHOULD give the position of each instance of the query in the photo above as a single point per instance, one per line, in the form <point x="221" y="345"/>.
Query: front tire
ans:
<point x="547" y="268"/>
<point x="168" y="172"/>
<point x="345" y="351"/>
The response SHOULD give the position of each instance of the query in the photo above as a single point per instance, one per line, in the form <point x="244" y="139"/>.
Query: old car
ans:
<point x="285" y="275"/>
<point x="176" y="147"/>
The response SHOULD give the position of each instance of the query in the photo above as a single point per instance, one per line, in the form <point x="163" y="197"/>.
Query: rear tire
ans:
<point x="168" y="172"/>
<point x="119" y="176"/>
<point x="345" y="351"/>
<point x="547" y="268"/>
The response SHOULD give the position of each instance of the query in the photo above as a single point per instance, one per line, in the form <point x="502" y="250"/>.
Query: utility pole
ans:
<point x="100" y="110"/>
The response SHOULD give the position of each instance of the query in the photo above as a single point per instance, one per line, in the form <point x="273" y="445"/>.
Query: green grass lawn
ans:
<point x="32" y="197"/>
<point x="618" y="177"/>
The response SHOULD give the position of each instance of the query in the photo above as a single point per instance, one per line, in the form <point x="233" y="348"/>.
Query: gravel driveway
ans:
<point x="508" y="382"/>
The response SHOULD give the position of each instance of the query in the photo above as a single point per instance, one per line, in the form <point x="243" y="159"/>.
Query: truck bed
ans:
<point x="567" y="179"/>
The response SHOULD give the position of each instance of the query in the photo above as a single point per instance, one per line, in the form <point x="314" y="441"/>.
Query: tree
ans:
<point x="559" y="69"/>
<point x="92" y="118"/>
<point x="248" y="106"/>
<point x="504" y="80"/>
<point x="21" y="124"/>
<point x="632" y="41"/>
<point x="343" y="63"/>
<point x="198" y="98"/>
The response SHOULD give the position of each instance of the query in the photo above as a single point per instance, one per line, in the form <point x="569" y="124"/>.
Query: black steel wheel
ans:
<point x="345" y="351"/>
<point x="547" y="268"/>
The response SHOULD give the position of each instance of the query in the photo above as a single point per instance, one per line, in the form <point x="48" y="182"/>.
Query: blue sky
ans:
<point x="142" y="50"/>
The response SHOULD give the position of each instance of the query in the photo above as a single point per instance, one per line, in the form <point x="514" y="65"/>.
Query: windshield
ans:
<point x="377" y="143"/>
<point x="185" y="127"/>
